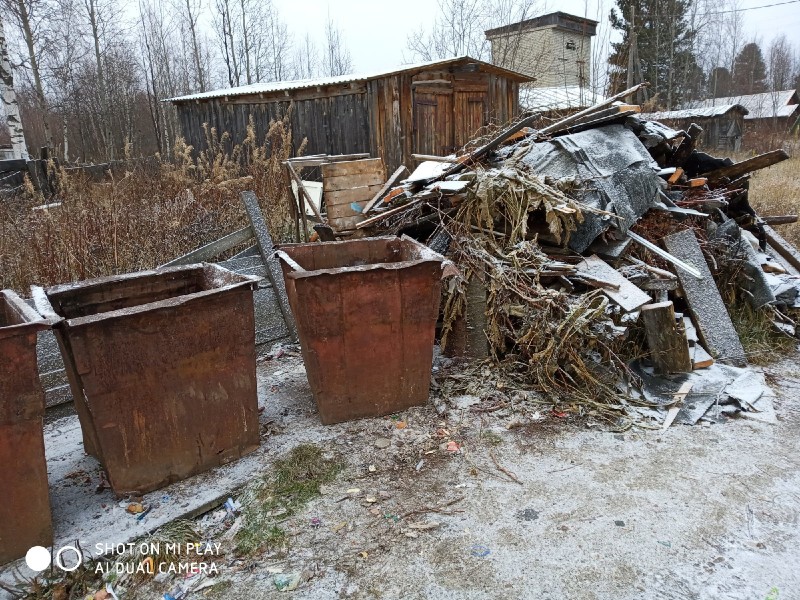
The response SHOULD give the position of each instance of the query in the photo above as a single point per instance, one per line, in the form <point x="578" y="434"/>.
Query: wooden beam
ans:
<point x="388" y="213"/>
<point x="591" y="110"/>
<point x="213" y="249"/>
<point x="762" y="161"/>
<point x="669" y="349"/>
<point x="424" y="157"/>
<point x="675" y="176"/>
<point x="786" y="250"/>
<point x="390" y="183"/>
<point x="780" y="219"/>
<point x="303" y="191"/>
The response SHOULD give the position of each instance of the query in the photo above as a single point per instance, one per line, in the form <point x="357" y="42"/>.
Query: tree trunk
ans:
<point x="37" y="80"/>
<point x="201" y="80"/>
<point x="9" y="100"/>
<point x="105" y="125"/>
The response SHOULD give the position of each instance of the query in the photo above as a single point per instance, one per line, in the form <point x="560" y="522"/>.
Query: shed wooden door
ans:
<point x="433" y="124"/>
<point x="470" y="115"/>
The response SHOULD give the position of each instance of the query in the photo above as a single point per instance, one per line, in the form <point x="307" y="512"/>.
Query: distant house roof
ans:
<point x="760" y="106"/>
<point x="558" y="19"/>
<point x="298" y="84"/>
<point x="557" y="98"/>
<point x="694" y="113"/>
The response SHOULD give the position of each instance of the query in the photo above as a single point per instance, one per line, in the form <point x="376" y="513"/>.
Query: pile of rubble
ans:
<point x="590" y="243"/>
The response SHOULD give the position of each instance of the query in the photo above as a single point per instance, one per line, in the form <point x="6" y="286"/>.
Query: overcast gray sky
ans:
<point x="376" y="30"/>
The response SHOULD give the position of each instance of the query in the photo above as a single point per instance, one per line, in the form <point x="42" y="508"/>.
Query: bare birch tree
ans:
<point x="30" y="16"/>
<point x="337" y="59"/>
<point x="9" y="100"/>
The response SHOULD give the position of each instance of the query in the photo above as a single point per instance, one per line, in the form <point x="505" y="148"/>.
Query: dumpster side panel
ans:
<point x="367" y="338"/>
<point x="25" y="519"/>
<point x="171" y="391"/>
<point x="420" y="292"/>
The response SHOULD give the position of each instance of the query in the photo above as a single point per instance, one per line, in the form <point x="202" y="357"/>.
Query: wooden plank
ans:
<point x="213" y="249"/>
<point x="676" y="175"/>
<point x="786" y="250"/>
<point x="267" y="247"/>
<point x="358" y="194"/>
<point x="352" y="167"/>
<point x="348" y="182"/>
<point x="780" y="219"/>
<point x="697" y="182"/>
<point x="669" y="349"/>
<point x="761" y="161"/>
<point x="424" y="157"/>
<point x="705" y="303"/>
<point x="629" y="297"/>
<point x="390" y="183"/>
<point x="303" y="192"/>
<point x="589" y="111"/>
<point x="391" y="211"/>
<point x="678" y="399"/>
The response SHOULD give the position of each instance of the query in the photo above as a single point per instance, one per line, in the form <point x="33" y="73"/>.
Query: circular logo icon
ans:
<point x="37" y="558"/>
<point x="60" y="561"/>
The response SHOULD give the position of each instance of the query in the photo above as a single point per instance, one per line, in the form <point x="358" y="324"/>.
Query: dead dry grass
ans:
<point x="144" y="217"/>
<point x="776" y="191"/>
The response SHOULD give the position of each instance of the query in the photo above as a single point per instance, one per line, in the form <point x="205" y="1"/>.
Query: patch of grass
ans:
<point x="776" y="191"/>
<point x="218" y="588"/>
<point x="491" y="438"/>
<point x="762" y="343"/>
<point x="294" y="481"/>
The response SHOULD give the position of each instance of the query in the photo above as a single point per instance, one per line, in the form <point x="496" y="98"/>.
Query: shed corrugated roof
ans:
<point x="760" y="106"/>
<point x="299" y="84"/>
<point x="557" y="98"/>
<point x="694" y="113"/>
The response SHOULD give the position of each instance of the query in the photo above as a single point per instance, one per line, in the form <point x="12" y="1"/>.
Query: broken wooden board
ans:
<point x="700" y="357"/>
<point x="705" y="304"/>
<point x="786" y="250"/>
<point x="673" y="411"/>
<point x="746" y="166"/>
<point x="390" y="183"/>
<point x="628" y="296"/>
<point x="669" y="349"/>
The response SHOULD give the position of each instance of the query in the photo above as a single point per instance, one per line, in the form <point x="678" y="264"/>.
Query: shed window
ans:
<point x="571" y="45"/>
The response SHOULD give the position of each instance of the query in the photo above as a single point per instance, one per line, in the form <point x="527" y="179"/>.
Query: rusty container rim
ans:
<point x="427" y="256"/>
<point x="43" y="305"/>
<point x="31" y="320"/>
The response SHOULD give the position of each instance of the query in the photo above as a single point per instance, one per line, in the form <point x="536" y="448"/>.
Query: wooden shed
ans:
<point x="723" y="125"/>
<point x="428" y="108"/>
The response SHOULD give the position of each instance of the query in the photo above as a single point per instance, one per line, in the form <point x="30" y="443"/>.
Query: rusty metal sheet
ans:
<point x="25" y="518"/>
<point x="366" y="312"/>
<point x="162" y="366"/>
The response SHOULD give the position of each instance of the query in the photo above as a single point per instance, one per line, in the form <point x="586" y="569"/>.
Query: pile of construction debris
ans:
<point x="592" y="242"/>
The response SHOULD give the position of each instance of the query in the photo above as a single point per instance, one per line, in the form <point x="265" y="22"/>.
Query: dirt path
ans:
<point x="696" y="512"/>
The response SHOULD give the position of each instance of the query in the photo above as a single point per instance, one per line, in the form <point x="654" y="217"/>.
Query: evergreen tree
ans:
<point x="749" y="71"/>
<point x="665" y="47"/>
<point x="719" y="82"/>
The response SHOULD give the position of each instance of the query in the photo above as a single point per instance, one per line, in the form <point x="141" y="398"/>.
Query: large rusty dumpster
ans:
<point x="25" y="519"/>
<point x="366" y="314"/>
<point x="162" y="369"/>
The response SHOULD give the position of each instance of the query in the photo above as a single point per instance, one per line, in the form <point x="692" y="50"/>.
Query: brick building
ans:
<point x="555" y="49"/>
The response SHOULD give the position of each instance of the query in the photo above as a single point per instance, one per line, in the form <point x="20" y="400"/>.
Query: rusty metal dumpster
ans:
<point x="25" y="518"/>
<point x="366" y="314"/>
<point x="162" y="369"/>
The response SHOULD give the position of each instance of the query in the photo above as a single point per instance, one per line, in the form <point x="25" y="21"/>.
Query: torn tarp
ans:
<point x="615" y="171"/>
